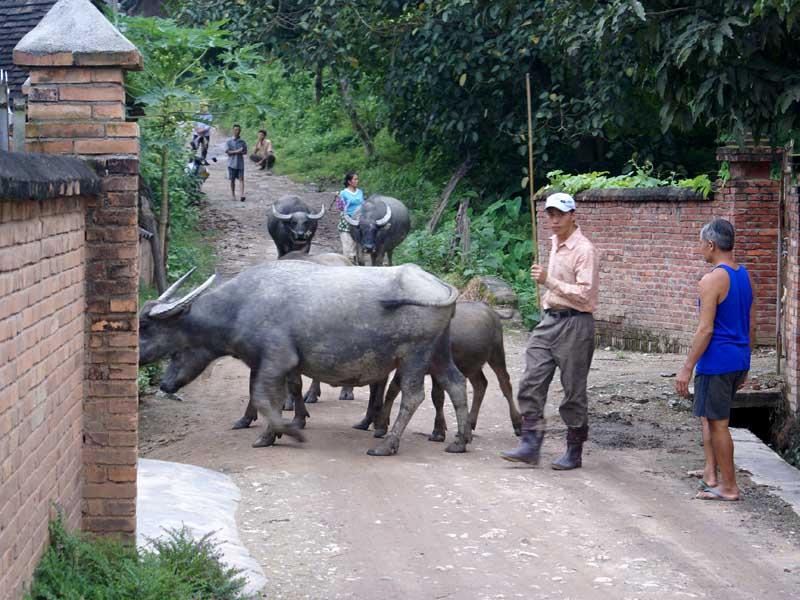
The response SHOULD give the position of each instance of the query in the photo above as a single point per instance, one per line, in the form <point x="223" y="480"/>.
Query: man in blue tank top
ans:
<point x="720" y="355"/>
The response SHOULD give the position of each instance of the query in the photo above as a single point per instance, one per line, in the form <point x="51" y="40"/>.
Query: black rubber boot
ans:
<point x="572" y="458"/>
<point x="530" y="444"/>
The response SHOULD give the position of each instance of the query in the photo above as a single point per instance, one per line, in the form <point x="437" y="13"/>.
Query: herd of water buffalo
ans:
<point x="345" y="325"/>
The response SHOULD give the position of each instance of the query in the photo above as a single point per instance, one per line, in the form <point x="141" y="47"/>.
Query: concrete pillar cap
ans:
<point x="74" y="33"/>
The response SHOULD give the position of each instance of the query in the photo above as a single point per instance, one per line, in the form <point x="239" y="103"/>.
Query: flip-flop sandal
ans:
<point x="716" y="495"/>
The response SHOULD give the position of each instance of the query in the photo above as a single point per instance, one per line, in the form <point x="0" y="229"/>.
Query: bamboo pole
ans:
<point x="534" y="232"/>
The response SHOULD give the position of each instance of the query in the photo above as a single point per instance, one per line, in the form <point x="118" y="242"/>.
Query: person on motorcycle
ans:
<point x="202" y="133"/>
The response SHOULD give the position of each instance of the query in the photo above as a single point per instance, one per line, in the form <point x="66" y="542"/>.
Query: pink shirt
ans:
<point x="573" y="274"/>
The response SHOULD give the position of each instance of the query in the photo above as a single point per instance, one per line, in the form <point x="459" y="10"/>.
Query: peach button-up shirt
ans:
<point x="573" y="274"/>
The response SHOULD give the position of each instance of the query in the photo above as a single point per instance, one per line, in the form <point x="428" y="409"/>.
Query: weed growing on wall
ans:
<point x="639" y="176"/>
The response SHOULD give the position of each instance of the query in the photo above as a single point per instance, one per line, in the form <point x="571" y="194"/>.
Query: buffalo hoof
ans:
<point x="346" y="394"/>
<point x="288" y="404"/>
<point x="310" y="398"/>
<point x="436" y="436"/>
<point x="460" y="443"/>
<point x="379" y="433"/>
<point x="363" y="424"/>
<point x="387" y="447"/>
<point x="294" y="433"/>
<point x="456" y="447"/>
<point x="267" y="438"/>
<point x="299" y="423"/>
<point x="242" y="423"/>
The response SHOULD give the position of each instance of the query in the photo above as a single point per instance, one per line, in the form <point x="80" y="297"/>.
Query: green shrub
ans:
<point x="76" y="567"/>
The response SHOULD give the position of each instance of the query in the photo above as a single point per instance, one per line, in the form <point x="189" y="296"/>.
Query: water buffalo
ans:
<point x="185" y="366"/>
<point x="378" y="228"/>
<point x="476" y="338"/>
<point x="345" y="326"/>
<point x="292" y="225"/>
<point x="332" y="259"/>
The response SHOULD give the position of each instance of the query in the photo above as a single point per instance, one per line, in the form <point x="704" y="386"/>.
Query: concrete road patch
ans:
<point x="171" y="495"/>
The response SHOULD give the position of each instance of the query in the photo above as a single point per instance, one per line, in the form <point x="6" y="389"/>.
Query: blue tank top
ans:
<point x="729" y="349"/>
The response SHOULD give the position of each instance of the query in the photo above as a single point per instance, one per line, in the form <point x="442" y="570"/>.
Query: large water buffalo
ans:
<point x="292" y="225"/>
<point x="345" y="326"/>
<point x="185" y="366"/>
<point x="378" y="227"/>
<point x="476" y="338"/>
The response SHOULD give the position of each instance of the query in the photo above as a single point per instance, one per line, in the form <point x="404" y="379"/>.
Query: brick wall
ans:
<point x="42" y="303"/>
<point x="790" y="325"/>
<point x="650" y="263"/>
<point x="76" y="106"/>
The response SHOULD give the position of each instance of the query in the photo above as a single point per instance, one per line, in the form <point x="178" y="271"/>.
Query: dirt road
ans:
<point x="327" y="521"/>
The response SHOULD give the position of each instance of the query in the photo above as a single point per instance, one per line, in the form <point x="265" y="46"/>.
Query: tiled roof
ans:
<point x="18" y="17"/>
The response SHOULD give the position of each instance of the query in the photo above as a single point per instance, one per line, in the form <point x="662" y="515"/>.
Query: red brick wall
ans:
<point x="80" y="111"/>
<point x="650" y="264"/>
<point x="791" y="308"/>
<point x="42" y="304"/>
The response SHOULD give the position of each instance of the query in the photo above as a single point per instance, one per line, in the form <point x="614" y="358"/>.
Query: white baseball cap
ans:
<point x="561" y="201"/>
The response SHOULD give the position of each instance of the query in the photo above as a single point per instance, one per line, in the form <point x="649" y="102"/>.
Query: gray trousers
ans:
<point x="566" y="342"/>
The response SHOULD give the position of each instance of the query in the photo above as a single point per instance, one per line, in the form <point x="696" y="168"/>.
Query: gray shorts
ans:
<point x="235" y="173"/>
<point x="713" y="394"/>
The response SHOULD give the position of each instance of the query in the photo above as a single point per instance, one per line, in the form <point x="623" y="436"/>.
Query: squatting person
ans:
<point x="236" y="149"/>
<point x="263" y="153"/>
<point x="719" y="355"/>
<point x="564" y="338"/>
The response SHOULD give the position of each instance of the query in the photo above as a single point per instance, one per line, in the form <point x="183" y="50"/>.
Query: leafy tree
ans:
<point x="656" y="79"/>
<point x="733" y="65"/>
<point x="310" y="35"/>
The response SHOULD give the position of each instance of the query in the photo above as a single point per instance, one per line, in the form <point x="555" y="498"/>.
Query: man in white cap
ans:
<point x="564" y="338"/>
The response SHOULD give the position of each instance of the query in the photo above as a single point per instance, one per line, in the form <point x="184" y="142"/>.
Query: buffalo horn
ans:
<point x="385" y="218"/>
<point x="280" y="215"/>
<point x="170" y="291"/>
<point x="169" y="309"/>
<point x="318" y="215"/>
<point x="351" y="220"/>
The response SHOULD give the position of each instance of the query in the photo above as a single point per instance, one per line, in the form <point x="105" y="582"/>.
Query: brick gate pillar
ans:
<point x="76" y="106"/>
<point x="753" y="198"/>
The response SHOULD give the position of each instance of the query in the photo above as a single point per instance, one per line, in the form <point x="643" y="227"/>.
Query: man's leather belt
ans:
<point x="564" y="312"/>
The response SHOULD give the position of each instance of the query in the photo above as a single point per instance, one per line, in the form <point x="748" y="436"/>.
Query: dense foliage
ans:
<point x="451" y="77"/>
<point x="75" y="567"/>
<point x="730" y="64"/>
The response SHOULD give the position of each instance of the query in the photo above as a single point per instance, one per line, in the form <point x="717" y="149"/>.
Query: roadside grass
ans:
<point x="77" y="567"/>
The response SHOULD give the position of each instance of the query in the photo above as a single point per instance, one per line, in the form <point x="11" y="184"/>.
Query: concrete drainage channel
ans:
<point x="752" y="428"/>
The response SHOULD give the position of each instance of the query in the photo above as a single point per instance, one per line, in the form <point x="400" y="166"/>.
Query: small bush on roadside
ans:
<point x="76" y="567"/>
